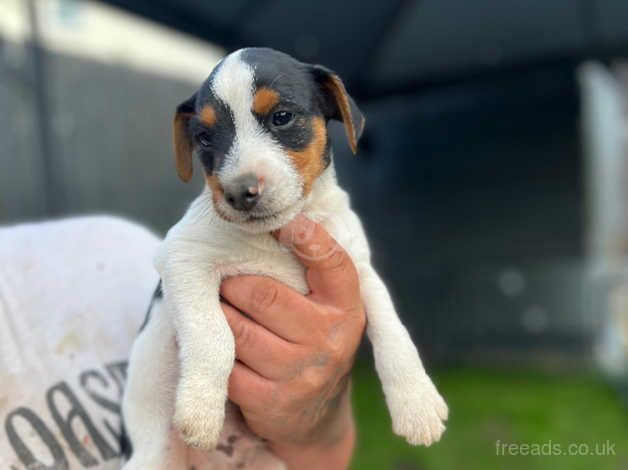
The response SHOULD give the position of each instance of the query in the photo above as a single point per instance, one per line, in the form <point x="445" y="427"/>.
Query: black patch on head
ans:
<point x="221" y="134"/>
<point x="298" y="135"/>
<point x="280" y="72"/>
<point x="297" y="94"/>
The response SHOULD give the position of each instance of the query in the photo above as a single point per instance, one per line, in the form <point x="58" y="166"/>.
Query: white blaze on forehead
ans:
<point x="233" y="84"/>
<point x="253" y="149"/>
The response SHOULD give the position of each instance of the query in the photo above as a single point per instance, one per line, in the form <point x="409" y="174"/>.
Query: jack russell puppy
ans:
<point x="259" y="127"/>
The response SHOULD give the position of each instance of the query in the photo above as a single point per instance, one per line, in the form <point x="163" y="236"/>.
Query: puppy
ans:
<point x="259" y="127"/>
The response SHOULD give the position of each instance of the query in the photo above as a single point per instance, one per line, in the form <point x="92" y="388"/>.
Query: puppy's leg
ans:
<point x="148" y="403"/>
<point x="206" y="352"/>
<point x="416" y="407"/>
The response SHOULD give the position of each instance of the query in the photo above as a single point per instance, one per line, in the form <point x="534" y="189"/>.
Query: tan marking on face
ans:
<point x="309" y="161"/>
<point x="217" y="194"/>
<point x="208" y="115"/>
<point x="265" y="100"/>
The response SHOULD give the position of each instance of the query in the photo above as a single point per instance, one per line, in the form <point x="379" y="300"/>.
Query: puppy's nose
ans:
<point x="244" y="192"/>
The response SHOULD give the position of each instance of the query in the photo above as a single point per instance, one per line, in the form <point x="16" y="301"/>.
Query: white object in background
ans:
<point x="606" y="166"/>
<point x="604" y="130"/>
<point x="73" y="294"/>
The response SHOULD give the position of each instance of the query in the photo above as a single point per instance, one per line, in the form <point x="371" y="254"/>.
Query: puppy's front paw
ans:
<point x="418" y="412"/>
<point x="199" y="417"/>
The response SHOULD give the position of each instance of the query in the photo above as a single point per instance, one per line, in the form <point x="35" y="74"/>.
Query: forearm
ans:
<point x="334" y="449"/>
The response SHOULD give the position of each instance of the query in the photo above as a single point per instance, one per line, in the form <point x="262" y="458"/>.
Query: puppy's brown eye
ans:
<point x="282" y="118"/>
<point x="203" y="140"/>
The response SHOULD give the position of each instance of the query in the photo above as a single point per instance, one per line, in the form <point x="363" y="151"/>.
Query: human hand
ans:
<point x="295" y="353"/>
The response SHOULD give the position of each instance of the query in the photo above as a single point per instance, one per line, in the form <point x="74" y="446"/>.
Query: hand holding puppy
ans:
<point x="294" y="352"/>
<point x="259" y="126"/>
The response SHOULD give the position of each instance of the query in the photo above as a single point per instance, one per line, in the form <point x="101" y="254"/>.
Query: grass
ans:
<point x="486" y="406"/>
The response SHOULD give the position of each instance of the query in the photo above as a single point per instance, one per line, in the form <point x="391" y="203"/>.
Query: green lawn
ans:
<point x="487" y="406"/>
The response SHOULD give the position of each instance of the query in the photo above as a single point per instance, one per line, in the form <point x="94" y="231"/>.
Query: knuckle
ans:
<point x="336" y="353"/>
<point x="313" y="381"/>
<point x="264" y="295"/>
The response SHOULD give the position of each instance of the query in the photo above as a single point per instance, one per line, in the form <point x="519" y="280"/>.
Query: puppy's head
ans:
<point x="259" y="126"/>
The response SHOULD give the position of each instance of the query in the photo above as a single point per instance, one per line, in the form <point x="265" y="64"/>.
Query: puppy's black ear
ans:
<point x="183" y="146"/>
<point x="337" y="104"/>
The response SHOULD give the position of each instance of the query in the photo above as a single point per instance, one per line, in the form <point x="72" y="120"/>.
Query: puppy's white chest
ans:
<point x="262" y="255"/>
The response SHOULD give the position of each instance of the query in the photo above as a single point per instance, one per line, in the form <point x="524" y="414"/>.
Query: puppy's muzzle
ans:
<point x="244" y="192"/>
